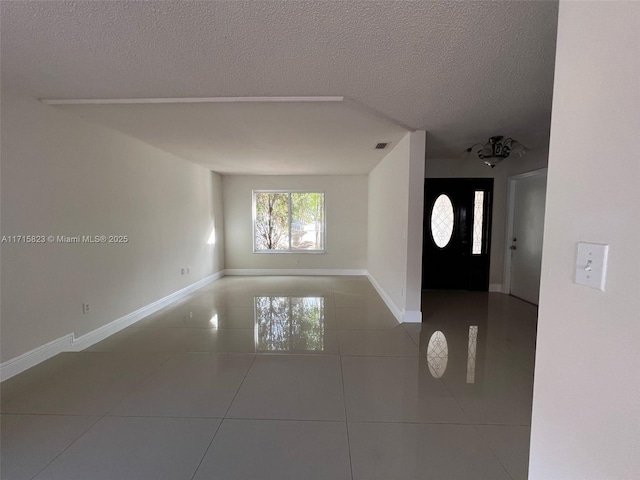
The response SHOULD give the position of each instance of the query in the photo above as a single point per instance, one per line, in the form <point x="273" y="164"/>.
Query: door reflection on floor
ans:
<point x="454" y="334"/>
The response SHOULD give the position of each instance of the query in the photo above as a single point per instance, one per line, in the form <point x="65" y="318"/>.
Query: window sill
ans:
<point x="301" y="252"/>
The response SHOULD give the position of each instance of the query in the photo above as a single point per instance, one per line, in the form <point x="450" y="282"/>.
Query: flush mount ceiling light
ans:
<point x="496" y="149"/>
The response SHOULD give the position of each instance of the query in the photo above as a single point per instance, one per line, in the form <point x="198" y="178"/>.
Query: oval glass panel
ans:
<point x="437" y="354"/>
<point x="442" y="221"/>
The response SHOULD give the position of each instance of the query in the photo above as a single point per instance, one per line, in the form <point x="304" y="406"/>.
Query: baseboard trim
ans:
<point x="412" y="316"/>
<point x="69" y="343"/>
<point x="88" y="339"/>
<point x="33" y="357"/>
<point x="495" y="287"/>
<point x="391" y="305"/>
<point x="293" y="271"/>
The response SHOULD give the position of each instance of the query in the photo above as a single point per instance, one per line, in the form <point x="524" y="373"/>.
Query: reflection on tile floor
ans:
<point x="285" y="377"/>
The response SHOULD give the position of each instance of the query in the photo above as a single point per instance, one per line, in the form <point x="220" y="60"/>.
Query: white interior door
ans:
<point x="525" y="242"/>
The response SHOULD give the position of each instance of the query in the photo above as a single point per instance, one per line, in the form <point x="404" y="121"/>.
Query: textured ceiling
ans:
<point x="460" y="70"/>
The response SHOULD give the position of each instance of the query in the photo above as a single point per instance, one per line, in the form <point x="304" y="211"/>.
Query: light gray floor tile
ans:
<point x="236" y="317"/>
<point x="30" y="442"/>
<point x="130" y="448"/>
<point x="394" y="342"/>
<point x="413" y="330"/>
<point x="362" y="319"/>
<point x="133" y="339"/>
<point x="420" y="452"/>
<point x="369" y="301"/>
<point x="291" y="387"/>
<point x="90" y="385"/>
<point x="409" y="408"/>
<point x="511" y="446"/>
<point x="354" y="288"/>
<point x="277" y="450"/>
<point x="189" y="316"/>
<point x="35" y="375"/>
<point x="188" y="385"/>
<point x="238" y="297"/>
<point x="208" y="299"/>
<point x="222" y="341"/>
<point x="501" y="394"/>
<point x="395" y="389"/>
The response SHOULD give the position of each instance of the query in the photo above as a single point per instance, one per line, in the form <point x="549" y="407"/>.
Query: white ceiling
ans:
<point x="462" y="70"/>
<point x="257" y="138"/>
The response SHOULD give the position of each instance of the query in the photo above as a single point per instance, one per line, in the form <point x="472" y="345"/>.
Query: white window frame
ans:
<point x="289" y="251"/>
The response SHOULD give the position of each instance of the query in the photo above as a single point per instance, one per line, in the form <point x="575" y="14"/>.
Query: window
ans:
<point x="478" y="222"/>
<point x="442" y="221"/>
<point x="288" y="222"/>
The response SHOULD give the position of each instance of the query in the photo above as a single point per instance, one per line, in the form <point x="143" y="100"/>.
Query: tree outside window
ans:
<point x="289" y="221"/>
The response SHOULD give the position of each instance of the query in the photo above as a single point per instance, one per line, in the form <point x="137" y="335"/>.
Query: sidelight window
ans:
<point x="478" y="222"/>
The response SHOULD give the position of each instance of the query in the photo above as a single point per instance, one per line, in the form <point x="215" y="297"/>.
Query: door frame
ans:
<point x="511" y="195"/>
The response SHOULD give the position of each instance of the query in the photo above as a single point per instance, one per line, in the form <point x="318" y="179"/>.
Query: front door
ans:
<point x="456" y="237"/>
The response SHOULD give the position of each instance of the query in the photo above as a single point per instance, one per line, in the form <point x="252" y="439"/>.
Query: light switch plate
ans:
<point x="591" y="264"/>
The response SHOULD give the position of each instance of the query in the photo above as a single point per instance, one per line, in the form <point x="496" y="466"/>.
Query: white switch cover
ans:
<point x="591" y="265"/>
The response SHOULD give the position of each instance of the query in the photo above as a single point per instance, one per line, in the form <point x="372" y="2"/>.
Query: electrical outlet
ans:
<point x="86" y="308"/>
<point x="182" y="271"/>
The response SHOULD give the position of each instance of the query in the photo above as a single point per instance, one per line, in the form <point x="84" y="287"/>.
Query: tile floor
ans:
<point x="285" y="378"/>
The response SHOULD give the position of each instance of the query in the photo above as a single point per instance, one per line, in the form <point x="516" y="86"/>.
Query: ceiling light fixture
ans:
<point x="496" y="149"/>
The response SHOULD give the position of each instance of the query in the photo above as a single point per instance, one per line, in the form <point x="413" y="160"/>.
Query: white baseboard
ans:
<point x="412" y="316"/>
<point x="293" y="271"/>
<point x="495" y="287"/>
<point x="69" y="343"/>
<point x="391" y="305"/>
<point x="32" y="358"/>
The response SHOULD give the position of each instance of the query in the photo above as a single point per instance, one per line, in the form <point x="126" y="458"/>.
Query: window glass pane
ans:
<point x="307" y="221"/>
<point x="478" y="212"/>
<point x="442" y="221"/>
<point x="272" y="221"/>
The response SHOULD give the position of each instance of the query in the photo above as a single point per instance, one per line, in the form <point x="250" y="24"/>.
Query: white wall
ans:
<point x="346" y="222"/>
<point x="64" y="176"/>
<point x="415" y="220"/>
<point x="395" y="223"/>
<point x="586" y="405"/>
<point x="216" y="223"/>
<point x="474" y="168"/>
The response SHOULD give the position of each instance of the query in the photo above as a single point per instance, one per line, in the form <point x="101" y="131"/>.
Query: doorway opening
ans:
<point x="457" y="233"/>
<point x="525" y="227"/>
